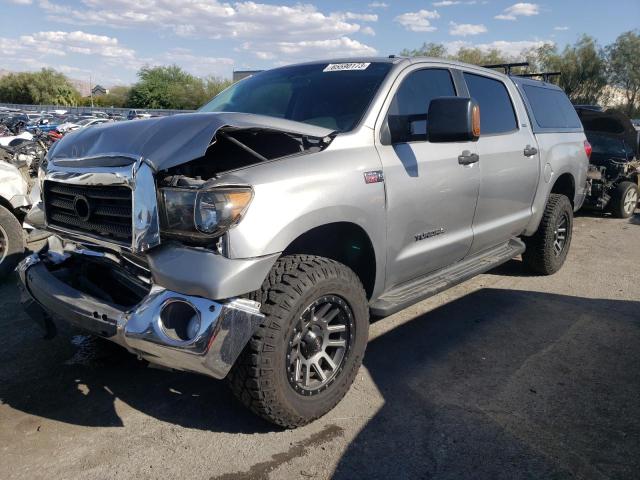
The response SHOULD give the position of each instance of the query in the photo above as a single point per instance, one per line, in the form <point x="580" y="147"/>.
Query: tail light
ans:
<point x="587" y="149"/>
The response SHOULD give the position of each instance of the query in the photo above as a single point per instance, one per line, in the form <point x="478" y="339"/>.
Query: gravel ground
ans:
<point x="505" y="376"/>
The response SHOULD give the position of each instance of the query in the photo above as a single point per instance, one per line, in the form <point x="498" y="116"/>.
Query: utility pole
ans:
<point x="91" y="90"/>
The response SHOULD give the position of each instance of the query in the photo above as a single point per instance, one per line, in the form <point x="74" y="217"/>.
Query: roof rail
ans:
<point x="545" y="75"/>
<point x="507" y="66"/>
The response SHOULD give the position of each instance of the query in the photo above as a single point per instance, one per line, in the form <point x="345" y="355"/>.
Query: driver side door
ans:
<point x="431" y="196"/>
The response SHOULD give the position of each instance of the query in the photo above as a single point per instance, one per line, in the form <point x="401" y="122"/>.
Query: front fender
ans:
<point x="295" y="195"/>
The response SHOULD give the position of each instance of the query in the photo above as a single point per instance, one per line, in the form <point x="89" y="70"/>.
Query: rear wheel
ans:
<point x="547" y="249"/>
<point x="11" y="242"/>
<point x="304" y="357"/>
<point x="624" y="200"/>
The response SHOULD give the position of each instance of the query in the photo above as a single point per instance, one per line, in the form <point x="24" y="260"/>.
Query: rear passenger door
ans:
<point x="509" y="162"/>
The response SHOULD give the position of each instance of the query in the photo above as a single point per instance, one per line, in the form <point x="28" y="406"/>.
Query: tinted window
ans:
<point x="335" y="99"/>
<point x="496" y="110"/>
<point x="408" y="110"/>
<point x="609" y="145"/>
<point x="551" y="108"/>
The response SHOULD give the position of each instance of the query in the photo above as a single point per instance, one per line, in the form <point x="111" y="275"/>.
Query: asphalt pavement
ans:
<point x="505" y="376"/>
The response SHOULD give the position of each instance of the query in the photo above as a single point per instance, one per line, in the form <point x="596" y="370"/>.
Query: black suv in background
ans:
<point x="614" y="170"/>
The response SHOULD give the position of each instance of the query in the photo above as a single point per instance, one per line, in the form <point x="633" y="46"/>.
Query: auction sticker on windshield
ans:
<point x="341" y="67"/>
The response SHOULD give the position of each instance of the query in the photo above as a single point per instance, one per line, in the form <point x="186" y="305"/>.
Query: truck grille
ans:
<point x="101" y="210"/>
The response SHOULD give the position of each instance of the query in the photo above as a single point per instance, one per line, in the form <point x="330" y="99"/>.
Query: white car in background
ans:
<point x="9" y="141"/>
<point x="87" y="122"/>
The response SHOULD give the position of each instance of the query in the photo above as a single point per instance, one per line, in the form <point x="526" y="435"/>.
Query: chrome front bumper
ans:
<point x="225" y="327"/>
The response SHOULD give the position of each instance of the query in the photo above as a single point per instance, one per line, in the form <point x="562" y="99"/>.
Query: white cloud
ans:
<point x="104" y="56"/>
<point x="448" y="3"/>
<point x="212" y="19"/>
<point x="264" y="25"/>
<point x="561" y="29"/>
<point x="196" y="64"/>
<point x="465" y="29"/>
<point x="418" y="21"/>
<point x="378" y="5"/>
<point x="22" y="2"/>
<point x="368" y="31"/>
<point x="290" y="52"/>
<point x="363" y="17"/>
<point x="60" y="43"/>
<point x="519" y="10"/>
<point x="512" y="49"/>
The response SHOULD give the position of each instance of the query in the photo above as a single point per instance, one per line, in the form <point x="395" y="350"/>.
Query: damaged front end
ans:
<point x="84" y="289"/>
<point x="138" y="210"/>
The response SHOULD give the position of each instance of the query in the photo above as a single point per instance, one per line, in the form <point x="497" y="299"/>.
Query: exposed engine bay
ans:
<point x="234" y="148"/>
<point x="615" y="158"/>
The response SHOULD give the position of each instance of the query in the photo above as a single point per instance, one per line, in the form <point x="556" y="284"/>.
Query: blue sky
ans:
<point x="111" y="39"/>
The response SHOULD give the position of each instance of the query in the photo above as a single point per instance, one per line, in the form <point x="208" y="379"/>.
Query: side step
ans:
<point x="416" y="290"/>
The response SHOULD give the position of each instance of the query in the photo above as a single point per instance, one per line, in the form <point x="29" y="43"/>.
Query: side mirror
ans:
<point x="453" y="119"/>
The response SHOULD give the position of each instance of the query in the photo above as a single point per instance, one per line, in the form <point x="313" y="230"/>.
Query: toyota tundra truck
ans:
<point x="254" y="239"/>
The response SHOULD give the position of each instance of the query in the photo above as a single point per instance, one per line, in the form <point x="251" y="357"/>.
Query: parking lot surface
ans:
<point x="505" y="376"/>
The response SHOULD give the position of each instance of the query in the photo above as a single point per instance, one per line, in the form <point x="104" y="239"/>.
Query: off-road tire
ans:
<point x="13" y="239"/>
<point x="259" y="377"/>
<point x="617" y="202"/>
<point x="539" y="256"/>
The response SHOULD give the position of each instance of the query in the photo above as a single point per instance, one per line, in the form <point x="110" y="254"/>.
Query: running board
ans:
<point x="416" y="290"/>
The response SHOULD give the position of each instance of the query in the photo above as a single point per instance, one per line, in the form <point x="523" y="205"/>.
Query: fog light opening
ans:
<point x="180" y="320"/>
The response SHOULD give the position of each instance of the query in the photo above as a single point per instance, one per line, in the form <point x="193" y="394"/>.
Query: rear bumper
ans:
<point x="223" y="330"/>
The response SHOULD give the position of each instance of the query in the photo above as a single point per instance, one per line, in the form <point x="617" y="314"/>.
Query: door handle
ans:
<point x="530" y="151"/>
<point x="467" y="158"/>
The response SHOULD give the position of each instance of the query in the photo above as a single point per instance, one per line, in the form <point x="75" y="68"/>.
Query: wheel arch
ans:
<point x="7" y="204"/>
<point x="344" y="242"/>
<point x="565" y="185"/>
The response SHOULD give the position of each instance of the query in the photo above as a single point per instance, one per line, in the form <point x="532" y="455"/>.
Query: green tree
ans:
<point x="46" y="87"/>
<point x="118" y="97"/>
<point x="167" y="87"/>
<point x="624" y="69"/>
<point x="471" y="55"/>
<point x="436" y="50"/>
<point x="583" y="69"/>
<point x="213" y="86"/>
<point x="477" y="56"/>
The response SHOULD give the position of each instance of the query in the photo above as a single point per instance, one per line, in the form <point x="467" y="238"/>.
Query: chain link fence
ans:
<point x="78" y="110"/>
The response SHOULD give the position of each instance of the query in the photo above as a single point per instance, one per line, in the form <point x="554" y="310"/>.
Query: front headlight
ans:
<point x="202" y="214"/>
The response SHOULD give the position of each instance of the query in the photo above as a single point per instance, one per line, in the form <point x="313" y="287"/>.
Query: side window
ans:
<point x="551" y="108"/>
<point x="408" y="111"/>
<point x="496" y="110"/>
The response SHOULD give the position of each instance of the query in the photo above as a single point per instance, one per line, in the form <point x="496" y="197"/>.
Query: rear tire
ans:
<point x="11" y="242"/>
<point x="269" y="376"/>
<point x="624" y="200"/>
<point x="547" y="249"/>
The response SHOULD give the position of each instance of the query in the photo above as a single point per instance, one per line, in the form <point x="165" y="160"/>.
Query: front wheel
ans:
<point x="547" y="249"/>
<point x="304" y="357"/>
<point x="624" y="200"/>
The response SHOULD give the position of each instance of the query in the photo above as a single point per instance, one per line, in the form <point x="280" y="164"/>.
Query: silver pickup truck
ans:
<point x="254" y="239"/>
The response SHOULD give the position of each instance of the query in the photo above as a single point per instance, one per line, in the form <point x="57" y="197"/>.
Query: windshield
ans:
<point x="85" y="122"/>
<point x="334" y="96"/>
<point x="607" y="145"/>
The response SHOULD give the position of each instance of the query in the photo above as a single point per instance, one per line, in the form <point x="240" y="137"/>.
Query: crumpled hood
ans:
<point x="168" y="141"/>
